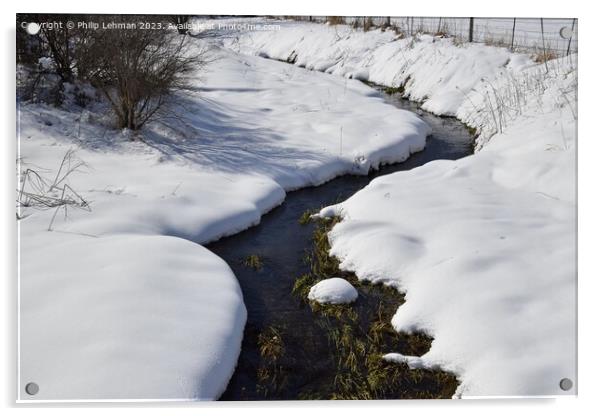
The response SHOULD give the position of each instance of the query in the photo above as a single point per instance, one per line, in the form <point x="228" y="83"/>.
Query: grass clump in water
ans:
<point x="360" y="373"/>
<point x="358" y="341"/>
<point x="254" y="261"/>
<point x="339" y="312"/>
<point x="322" y="265"/>
<point x="271" y="376"/>
<point x="302" y="285"/>
<point x="394" y="90"/>
<point x="271" y="346"/>
<point x="305" y="218"/>
<point x="471" y="130"/>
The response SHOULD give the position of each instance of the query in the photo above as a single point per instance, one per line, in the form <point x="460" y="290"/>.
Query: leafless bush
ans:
<point x="137" y="69"/>
<point x="134" y="68"/>
<point x="29" y="48"/>
<point x="61" y="44"/>
<point x="51" y="58"/>
<point x="40" y="193"/>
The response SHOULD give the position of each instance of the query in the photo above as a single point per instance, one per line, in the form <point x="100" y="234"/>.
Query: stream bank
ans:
<point x="292" y="349"/>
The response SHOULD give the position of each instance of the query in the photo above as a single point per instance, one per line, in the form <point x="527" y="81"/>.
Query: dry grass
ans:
<point x="271" y="376"/>
<point x="254" y="261"/>
<point x="40" y="193"/>
<point x="305" y="218"/>
<point x="544" y="56"/>
<point x="335" y="20"/>
<point x="359" y="342"/>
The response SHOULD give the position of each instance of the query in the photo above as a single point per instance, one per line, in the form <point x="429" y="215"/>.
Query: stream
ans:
<point x="287" y="352"/>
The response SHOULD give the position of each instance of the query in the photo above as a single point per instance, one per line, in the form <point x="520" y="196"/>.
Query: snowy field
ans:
<point x="120" y="300"/>
<point x="483" y="247"/>
<point x="491" y="30"/>
<point x="117" y="299"/>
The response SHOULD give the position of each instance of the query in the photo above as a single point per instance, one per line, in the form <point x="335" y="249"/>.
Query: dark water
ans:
<point x="282" y="243"/>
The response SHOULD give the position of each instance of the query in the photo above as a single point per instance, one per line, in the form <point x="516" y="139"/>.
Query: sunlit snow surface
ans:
<point x="484" y="247"/>
<point x="116" y="303"/>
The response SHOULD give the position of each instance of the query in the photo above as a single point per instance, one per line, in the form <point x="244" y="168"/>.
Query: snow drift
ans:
<point x="115" y="303"/>
<point x="483" y="247"/>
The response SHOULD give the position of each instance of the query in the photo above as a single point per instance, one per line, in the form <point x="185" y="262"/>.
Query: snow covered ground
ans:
<point x="120" y="303"/>
<point x="115" y="302"/>
<point x="491" y="30"/>
<point x="483" y="247"/>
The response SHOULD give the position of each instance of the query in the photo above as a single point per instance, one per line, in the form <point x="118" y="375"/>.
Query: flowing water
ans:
<point x="282" y="243"/>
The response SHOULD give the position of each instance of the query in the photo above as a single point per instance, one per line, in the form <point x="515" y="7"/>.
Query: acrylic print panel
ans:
<point x="281" y="207"/>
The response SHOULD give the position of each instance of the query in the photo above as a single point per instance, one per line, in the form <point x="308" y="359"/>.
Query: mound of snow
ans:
<point x="432" y="70"/>
<point x="333" y="291"/>
<point x="485" y="249"/>
<point x="126" y="317"/>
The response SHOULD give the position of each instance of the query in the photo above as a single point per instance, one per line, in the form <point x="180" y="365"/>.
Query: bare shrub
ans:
<point x="62" y="43"/>
<point x="59" y="42"/>
<point x="51" y="58"/>
<point x="137" y="69"/>
<point x="29" y="48"/>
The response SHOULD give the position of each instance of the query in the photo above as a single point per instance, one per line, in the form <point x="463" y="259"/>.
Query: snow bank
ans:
<point x="126" y="317"/>
<point x="115" y="303"/>
<point x="334" y="291"/>
<point x="484" y="247"/>
<point x="432" y="70"/>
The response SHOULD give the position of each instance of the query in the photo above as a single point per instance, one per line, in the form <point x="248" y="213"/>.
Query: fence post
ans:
<point x="411" y="26"/>
<point x="568" y="49"/>
<point x="439" y="27"/>
<point x="513" y="27"/>
<point x="543" y="44"/>
<point x="470" y="28"/>
<point x="310" y="18"/>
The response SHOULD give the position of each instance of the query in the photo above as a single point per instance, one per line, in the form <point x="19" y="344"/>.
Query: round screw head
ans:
<point x="32" y="388"/>
<point x="566" y="33"/>
<point x="566" y="384"/>
<point x="32" y="28"/>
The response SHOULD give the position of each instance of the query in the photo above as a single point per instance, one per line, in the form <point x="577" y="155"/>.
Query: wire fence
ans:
<point x="552" y="37"/>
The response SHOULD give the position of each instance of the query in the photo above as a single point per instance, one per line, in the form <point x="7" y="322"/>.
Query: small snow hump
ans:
<point x="334" y="291"/>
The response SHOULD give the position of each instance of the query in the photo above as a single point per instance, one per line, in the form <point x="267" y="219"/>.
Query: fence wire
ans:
<point x="535" y="35"/>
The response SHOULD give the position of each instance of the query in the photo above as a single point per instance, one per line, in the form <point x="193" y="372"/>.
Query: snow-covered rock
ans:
<point x="333" y="291"/>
